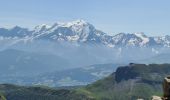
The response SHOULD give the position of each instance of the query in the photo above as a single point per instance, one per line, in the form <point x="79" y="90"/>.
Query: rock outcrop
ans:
<point x="156" y="98"/>
<point x="166" y="90"/>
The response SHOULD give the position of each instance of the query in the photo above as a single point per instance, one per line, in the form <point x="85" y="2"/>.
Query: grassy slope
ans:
<point x="147" y="82"/>
<point x="127" y="83"/>
<point x="13" y="92"/>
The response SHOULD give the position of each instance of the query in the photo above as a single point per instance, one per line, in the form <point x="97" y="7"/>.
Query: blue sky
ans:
<point x="112" y="16"/>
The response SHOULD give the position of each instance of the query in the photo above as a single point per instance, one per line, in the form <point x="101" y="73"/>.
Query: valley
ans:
<point x="127" y="82"/>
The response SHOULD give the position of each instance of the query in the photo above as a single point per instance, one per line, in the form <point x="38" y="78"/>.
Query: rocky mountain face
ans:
<point x="131" y="82"/>
<point x="80" y="31"/>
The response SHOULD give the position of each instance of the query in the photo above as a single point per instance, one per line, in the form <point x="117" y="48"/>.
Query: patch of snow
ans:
<point x="144" y="38"/>
<point x="132" y="42"/>
<point x="73" y="38"/>
<point x="41" y="27"/>
<point x="111" y="45"/>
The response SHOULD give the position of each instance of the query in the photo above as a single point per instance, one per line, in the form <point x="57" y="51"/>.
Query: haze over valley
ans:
<point x="76" y="47"/>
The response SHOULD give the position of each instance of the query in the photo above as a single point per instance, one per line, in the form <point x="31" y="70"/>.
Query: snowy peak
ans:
<point x="164" y="40"/>
<point x="77" y="26"/>
<point x="131" y="39"/>
<point x="42" y="27"/>
<point x="80" y="31"/>
<point x="76" y="23"/>
<point x="39" y="27"/>
<point x="142" y="36"/>
<point x="73" y="23"/>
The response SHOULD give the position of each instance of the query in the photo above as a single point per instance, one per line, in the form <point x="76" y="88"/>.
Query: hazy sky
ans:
<point x="112" y="16"/>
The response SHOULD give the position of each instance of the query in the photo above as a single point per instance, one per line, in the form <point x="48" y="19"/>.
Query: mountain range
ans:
<point x="72" y="53"/>
<point x="26" y="68"/>
<point x="80" y="31"/>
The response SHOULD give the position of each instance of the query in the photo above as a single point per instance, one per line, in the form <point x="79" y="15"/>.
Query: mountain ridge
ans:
<point x="80" y="31"/>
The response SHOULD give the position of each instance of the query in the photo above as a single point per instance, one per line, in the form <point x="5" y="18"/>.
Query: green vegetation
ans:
<point x="13" y="92"/>
<point x="2" y="97"/>
<point x="127" y="83"/>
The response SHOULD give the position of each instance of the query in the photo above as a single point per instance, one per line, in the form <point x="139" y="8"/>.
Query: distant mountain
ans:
<point x="21" y="63"/>
<point x="80" y="31"/>
<point x="131" y="82"/>
<point x="47" y="49"/>
<point x="77" y="76"/>
<point x="15" y="32"/>
<point x="68" y="77"/>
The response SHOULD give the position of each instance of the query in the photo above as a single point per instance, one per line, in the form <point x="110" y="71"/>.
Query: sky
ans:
<point x="110" y="16"/>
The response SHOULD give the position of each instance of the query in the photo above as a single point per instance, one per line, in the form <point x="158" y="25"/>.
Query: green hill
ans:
<point x="127" y="83"/>
<point x="14" y="92"/>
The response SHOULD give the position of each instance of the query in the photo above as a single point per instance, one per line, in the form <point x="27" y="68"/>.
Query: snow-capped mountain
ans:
<point x="76" y="31"/>
<point x="80" y="31"/>
<point x="136" y="39"/>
